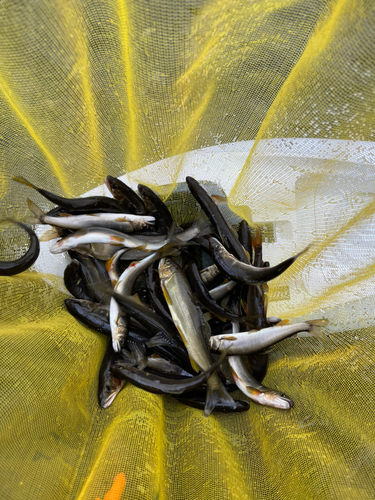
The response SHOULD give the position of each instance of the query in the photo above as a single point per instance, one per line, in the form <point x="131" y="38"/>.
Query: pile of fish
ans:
<point x="137" y="277"/>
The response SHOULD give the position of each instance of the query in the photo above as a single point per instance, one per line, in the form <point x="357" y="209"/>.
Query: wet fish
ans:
<point x="74" y="283"/>
<point x="120" y="222"/>
<point x="253" y="341"/>
<point x="97" y="202"/>
<point x="86" y="312"/>
<point x="103" y="235"/>
<point x="124" y="286"/>
<point x="159" y="364"/>
<point x="93" y="273"/>
<point x="162" y="385"/>
<point x="247" y="273"/>
<point x="109" y="384"/>
<point x="251" y="387"/>
<point x="125" y="195"/>
<point x="156" y="294"/>
<point x="201" y="293"/>
<point x="157" y="208"/>
<point x="12" y="267"/>
<point x="193" y="328"/>
<point x="217" y="219"/>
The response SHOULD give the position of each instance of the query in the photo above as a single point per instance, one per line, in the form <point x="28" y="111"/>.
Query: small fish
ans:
<point x="251" y="387"/>
<point x="217" y="219"/>
<point x="253" y="341"/>
<point x="74" y="283"/>
<point x="157" y="208"/>
<point x="103" y="235"/>
<point x="12" y="267"/>
<point x="202" y="294"/>
<point x="158" y="302"/>
<point x="162" y="385"/>
<point x="109" y="384"/>
<point x="193" y="329"/>
<point x="159" y="364"/>
<point x="221" y="291"/>
<point x="125" y="195"/>
<point x="85" y="311"/>
<point x="247" y="273"/>
<point x="124" y="286"/>
<point x="96" y="202"/>
<point x="120" y="222"/>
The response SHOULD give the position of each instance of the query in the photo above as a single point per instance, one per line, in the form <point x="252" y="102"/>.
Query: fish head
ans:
<point x="167" y="267"/>
<point x="114" y="187"/>
<point x="214" y="244"/>
<point x="275" y="399"/>
<point x="145" y="193"/>
<point x="111" y="387"/>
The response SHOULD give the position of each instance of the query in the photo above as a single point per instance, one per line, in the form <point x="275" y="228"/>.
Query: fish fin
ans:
<point x="35" y="210"/>
<point x="31" y="220"/>
<point x="139" y="353"/>
<point x="217" y="395"/>
<point x="318" y="322"/>
<point x="194" y="365"/>
<point x="203" y="224"/>
<point x="316" y="331"/>
<point x="51" y="234"/>
<point x="116" y="345"/>
<point x="22" y="180"/>
<point x="219" y="199"/>
<point x="158" y="339"/>
<point x="244" y="306"/>
<point x="207" y="316"/>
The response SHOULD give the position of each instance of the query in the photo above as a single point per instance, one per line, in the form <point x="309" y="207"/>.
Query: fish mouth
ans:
<point x="108" y="183"/>
<point x="284" y="403"/>
<point x="107" y="402"/>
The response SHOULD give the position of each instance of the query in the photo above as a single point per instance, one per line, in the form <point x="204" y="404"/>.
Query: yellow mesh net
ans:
<point x="274" y="102"/>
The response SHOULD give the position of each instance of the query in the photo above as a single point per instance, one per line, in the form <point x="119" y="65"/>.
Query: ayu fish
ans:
<point x="193" y="328"/>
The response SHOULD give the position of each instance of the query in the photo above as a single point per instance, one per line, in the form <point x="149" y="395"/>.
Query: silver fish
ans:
<point x="251" y="387"/>
<point x="124" y="285"/>
<point x="193" y="328"/>
<point x="120" y="222"/>
<point x="253" y="341"/>
<point x="103" y="235"/>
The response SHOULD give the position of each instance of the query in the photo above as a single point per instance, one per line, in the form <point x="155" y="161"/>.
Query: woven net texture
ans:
<point x="274" y="102"/>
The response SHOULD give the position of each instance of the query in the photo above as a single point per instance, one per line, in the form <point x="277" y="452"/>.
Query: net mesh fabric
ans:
<point x="284" y="90"/>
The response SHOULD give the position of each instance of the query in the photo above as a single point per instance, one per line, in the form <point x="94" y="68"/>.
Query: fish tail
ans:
<point x="318" y="322"/>
<point x="203" y="224"/>
<point x="51" y="234"/>
<point x="216" y="393"/>
<point x="35" y="210"/>
<point x="158" y="339"/>
<point x="22" y="180"/>
<point x="315" y="328"/>
<point x="258" y="236"/>
<point x="116" y="345"/>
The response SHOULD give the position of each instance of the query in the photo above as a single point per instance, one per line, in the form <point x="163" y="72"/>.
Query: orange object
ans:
<point x="117" y="488"/>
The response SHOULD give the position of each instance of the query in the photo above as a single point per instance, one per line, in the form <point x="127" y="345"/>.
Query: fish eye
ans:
<point x="107" y="388"/>
<point x="283" y="395"/>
